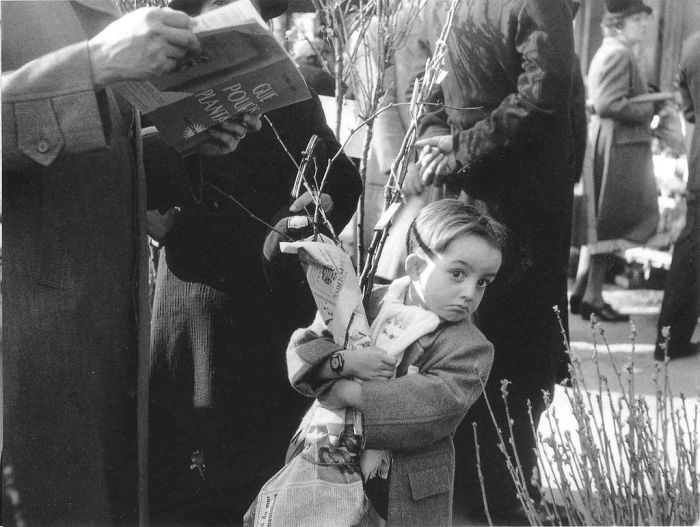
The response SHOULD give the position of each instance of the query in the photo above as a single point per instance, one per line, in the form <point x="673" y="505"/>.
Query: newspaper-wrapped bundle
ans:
<point x="326" y="472"/>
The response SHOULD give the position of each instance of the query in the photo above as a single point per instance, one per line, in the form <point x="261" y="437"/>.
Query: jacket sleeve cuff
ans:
<point x="307" y="350"/>
<point x="55" y="107"/>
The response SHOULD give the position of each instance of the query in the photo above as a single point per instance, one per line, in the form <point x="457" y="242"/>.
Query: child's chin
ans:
<point x="452" y="316"/>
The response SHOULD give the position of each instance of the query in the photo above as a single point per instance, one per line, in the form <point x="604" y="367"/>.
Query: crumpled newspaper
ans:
<point x="336" y="290"/>
<point x="326" y="469"/>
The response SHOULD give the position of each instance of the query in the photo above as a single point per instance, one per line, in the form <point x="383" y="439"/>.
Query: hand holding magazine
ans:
<point x="242" y="68"/>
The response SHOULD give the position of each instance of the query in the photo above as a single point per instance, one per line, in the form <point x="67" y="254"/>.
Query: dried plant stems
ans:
<point x="649" y="479"/>
<point x="481" y="476"/>
<point x="364" y="36"/>
<point x="399" y="168"/>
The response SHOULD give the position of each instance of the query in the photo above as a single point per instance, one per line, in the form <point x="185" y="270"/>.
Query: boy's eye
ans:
<point x="483" y="282"/>
<point x="457" y="274"/>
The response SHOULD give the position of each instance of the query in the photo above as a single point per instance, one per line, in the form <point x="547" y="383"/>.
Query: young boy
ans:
<point x="454" y="253"/>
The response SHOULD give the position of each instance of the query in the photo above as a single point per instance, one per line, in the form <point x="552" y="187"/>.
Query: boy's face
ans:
<point x="451" y="284"/>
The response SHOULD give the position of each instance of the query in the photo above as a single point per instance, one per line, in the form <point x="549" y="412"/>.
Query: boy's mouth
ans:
<point x="462" y="310"/>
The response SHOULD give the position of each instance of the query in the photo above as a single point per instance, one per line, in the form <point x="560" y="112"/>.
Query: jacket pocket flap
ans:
<point x="429" y="482"/>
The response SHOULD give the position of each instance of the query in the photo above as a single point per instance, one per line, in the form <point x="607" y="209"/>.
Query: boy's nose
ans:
<point x="469" y="290"/>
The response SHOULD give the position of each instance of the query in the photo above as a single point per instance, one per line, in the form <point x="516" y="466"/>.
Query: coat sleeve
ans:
<point x="49" y="106"/>
<point x="613" y="89"/>
<point x="167" y="173"/>
<point x="544" y="43"/>
<point x="309" y="347"/>
<point x="343" y="184"/>
<point x="414" y="411"/>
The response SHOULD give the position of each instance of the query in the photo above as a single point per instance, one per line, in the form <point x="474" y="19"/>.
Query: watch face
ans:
<point x="336" y="362"/>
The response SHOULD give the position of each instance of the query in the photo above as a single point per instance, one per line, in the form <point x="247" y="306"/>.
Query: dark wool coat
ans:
<point x="619" y="174"/>
<point x="414" y="416"/>
<point x="70" y="266"/>
<point x="520" y="152"/>
<point x="218" y="330"/>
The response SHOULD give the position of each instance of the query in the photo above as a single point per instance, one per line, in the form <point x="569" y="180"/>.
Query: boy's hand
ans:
<point x="225" y="136"/>
<point x="370" y="364"/>
<point x="343" y="393"/>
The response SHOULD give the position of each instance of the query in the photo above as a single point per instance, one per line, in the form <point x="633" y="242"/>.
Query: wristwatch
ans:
<point x="337" y="363"/>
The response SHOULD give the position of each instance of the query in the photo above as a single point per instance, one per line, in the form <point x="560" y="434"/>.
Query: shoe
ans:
<point x="605" y="313"/>
<point x="677" y="352"/>
<point x="575" y="304"/>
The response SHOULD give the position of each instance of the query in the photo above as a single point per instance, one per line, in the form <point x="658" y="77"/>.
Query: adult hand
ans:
<point x="412" y="184"/>
<point x="140" y="45"/>
<point x="436" y="160"/>
<point x="306" y="199"/>
<point x="370" y="364"/>
<point x="225" y="136"/>
<point x="158" y="225"/>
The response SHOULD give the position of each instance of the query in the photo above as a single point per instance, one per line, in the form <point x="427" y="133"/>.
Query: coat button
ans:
<point x="42" y="146"/>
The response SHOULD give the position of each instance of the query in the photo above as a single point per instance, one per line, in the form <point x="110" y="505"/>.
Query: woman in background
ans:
<point x="618" y="175"/>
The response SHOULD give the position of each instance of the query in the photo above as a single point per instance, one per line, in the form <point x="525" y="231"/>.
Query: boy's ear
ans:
<point x="415" y="263"/>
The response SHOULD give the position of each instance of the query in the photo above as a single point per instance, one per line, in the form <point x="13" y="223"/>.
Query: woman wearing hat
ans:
<point x="618" y="176"/>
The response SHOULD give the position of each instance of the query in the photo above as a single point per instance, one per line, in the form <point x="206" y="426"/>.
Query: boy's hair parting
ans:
<point x="440" y="222"/>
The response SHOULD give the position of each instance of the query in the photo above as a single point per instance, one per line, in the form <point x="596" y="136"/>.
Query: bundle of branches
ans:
<point x="364" y="35"/>
<point x="632" y="461"/>
<point x="393" y="196"/>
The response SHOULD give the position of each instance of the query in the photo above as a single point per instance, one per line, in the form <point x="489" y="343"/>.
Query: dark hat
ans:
<point x="268" y="8"/>
<point x="627" y="7"/>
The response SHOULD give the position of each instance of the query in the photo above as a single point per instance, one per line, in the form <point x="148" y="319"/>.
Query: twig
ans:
<point x="481" y="476"/>
<point x="250" y="213"/>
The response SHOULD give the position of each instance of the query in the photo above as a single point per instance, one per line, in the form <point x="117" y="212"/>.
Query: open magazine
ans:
<point x="242" y="68"/>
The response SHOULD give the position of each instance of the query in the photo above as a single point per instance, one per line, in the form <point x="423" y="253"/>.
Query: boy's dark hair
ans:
<point x="440" y="222"/>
